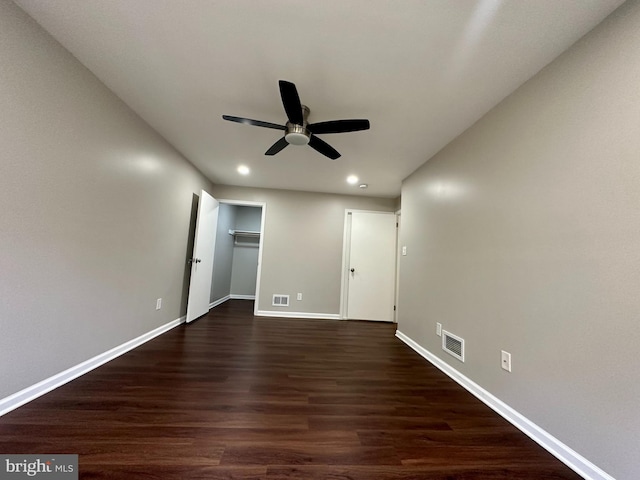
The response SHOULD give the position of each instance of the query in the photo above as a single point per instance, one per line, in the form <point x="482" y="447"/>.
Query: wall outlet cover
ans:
<point x="439" y="329"/>
<point x="158" y="304"/>
<point x="299" y="296"/>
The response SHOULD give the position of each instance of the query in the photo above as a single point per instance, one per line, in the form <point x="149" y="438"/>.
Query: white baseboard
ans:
<point x="18" y="399"/>
<point x="233" y="296"/>
<point x="320" y="316"/>
<point x="562" y="452"/>
<point x="220" y="301"/>
<point x="215" y="303"/>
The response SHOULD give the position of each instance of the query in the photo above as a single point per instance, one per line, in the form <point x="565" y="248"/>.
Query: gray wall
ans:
<point x="223" y="257"/>
<point x="524" y="235"/>
<point x="248" y="218"/>
<point x="95" y="217"/>
<point x="302" y="245"/>
<point x="245" y="252"/>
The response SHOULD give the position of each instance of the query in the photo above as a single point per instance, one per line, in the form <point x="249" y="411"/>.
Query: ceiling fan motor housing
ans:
<point x="298" y="134"/>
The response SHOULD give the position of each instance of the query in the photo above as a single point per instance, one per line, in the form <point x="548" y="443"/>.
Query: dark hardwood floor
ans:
<point x="236" y="397"/>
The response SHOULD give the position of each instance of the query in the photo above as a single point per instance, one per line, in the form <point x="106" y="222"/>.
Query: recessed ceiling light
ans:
<point x="352" y="179"/>
<point x="243" y="170"/>
<point x="363" y="185"/>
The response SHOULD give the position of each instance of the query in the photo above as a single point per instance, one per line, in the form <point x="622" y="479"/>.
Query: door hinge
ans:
<point x="394" y="308"/>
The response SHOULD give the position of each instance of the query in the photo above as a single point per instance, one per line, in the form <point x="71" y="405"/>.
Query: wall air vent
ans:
<point x="453" y="345"/>
<point x="280" y="300"/>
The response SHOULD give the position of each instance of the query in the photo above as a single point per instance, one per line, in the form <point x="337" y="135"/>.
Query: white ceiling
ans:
<point x="422" y="71"/>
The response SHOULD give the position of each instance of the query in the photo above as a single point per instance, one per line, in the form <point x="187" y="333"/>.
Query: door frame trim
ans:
<point x="398" y="259"/>
<point x="263" y="205"/>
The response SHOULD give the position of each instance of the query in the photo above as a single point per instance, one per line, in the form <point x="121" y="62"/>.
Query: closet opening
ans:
<point x="238" y="252"/>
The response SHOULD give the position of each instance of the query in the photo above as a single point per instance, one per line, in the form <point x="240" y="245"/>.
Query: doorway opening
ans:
<point x="238" y="252"/>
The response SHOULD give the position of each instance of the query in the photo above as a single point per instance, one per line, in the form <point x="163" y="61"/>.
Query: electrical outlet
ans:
<point x="506" y="361"/>
<point x="158" y="304"/>
<point x="299" y="296"/>
<point x="404" y="250"/>
<point x="439" y="329"/>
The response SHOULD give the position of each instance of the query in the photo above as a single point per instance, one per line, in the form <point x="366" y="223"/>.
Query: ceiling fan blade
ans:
<point x="339" y="126"/>
<point x="291" y="102"/>
<point x="323" y="147"/>
<point x="255" y="123"/>
<point x="276" y="147"/>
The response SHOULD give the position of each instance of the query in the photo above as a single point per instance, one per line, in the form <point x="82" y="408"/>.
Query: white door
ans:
<point x="372" y="266"/>
<point x="202" y="261"/>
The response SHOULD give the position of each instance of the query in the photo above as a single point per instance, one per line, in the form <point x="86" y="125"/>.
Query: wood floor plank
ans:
<point x="236" y="397"/>
<point x="310" y="454"/>
<point x="453" y="472"/>
<point x="171" y="472"/>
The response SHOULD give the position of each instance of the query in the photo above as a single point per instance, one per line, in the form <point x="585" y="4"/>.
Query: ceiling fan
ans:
<point x="297" y="130"/>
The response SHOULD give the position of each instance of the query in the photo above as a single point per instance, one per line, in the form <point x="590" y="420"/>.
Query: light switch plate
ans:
<point x="506" y="361"/>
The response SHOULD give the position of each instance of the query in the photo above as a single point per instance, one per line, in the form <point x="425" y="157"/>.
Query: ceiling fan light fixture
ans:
<point x="297" y="134"/>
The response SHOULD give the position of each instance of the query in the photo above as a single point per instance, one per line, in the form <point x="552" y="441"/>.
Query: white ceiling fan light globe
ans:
<point x="295" y="138"/>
